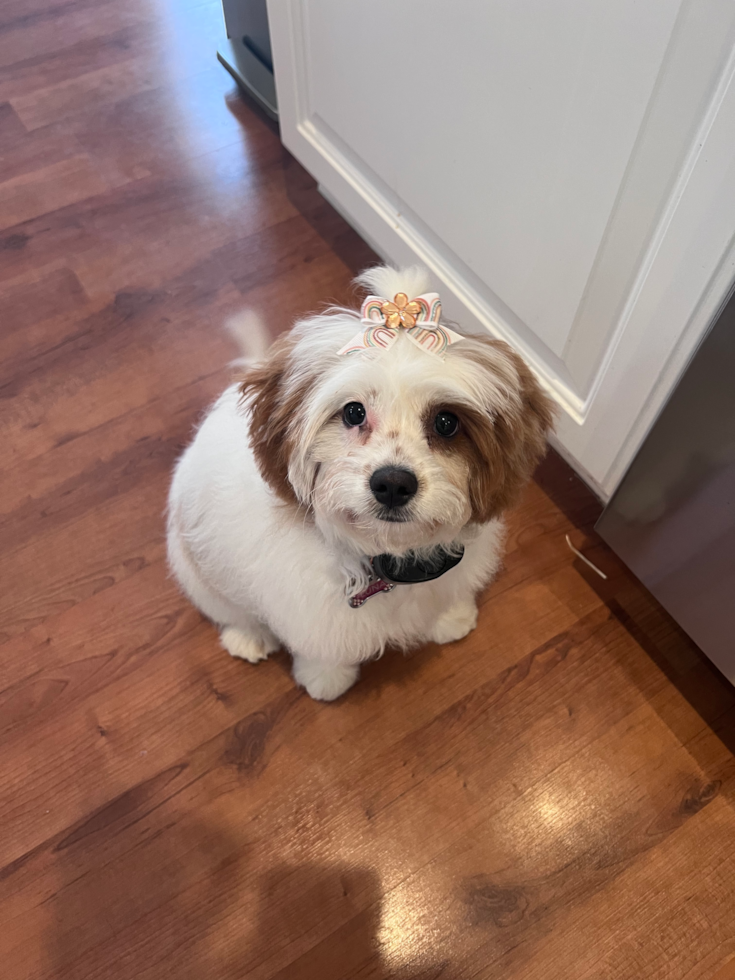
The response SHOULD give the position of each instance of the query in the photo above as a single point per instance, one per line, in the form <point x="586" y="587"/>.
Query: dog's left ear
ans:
<point x="274" y="398"/>
<point x="511" y="443"/>
<point x="525" y="436"/>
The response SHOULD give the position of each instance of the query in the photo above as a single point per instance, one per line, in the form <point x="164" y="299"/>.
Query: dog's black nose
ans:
<point x="393" y="487"/>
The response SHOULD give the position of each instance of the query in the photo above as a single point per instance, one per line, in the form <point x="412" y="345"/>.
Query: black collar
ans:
<point x="410" y="571"/>
<point x="390" y="571"/>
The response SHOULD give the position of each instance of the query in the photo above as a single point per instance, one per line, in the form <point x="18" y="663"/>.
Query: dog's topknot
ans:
<point x="382" y="280"/>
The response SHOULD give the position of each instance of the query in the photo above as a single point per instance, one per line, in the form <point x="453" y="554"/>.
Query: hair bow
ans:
<point x="383" y="320"/>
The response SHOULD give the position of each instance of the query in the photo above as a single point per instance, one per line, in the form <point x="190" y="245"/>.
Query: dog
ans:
<point x="347" y="494"/>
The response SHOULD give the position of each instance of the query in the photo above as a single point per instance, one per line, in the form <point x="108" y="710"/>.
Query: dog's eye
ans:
<point x="446" y="424"/>
<point x="354" y="413"/>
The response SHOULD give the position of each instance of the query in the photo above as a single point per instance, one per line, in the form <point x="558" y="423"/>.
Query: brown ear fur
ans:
<point x="274" y="406"/>
<point x="505" y="453"/>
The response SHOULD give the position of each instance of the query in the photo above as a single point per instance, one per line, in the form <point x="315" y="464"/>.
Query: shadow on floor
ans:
<point x="303" y="193"/>
<point x="299" y="900"/>
<point x="184" y="908"/>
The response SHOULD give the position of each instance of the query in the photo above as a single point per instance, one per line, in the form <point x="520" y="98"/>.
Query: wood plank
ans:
<point x="10" y="125"/>
<point x="26" y="152"/>
<point x="70" y="59"/>
<point x="147" y="133"/>
<point x="23" y="303"/>
<point x="49" y="26"/>
<point x="103" y="87"/>
<point x="48" y="189"/>
<point x="151" y="230"/>
<point x="136" y="60"/>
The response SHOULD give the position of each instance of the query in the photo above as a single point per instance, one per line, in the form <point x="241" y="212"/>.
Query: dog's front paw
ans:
<point x="324" y="682"/>
<point x="455" y="623"/>
<point x="246" y="646"/>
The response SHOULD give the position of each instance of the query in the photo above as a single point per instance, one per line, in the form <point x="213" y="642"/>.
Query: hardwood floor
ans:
<point x="553" y="797"/>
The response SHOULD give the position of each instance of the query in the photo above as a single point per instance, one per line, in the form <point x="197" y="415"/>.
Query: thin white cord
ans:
<point x="585" y="560"/>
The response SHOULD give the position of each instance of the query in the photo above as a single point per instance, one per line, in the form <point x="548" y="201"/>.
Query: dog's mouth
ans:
<point x="394" y="517"/>
<point x="385" y="515"/>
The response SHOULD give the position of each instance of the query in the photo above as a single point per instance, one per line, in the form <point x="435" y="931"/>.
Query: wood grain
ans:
<point x="552" y="796"/>
<point x="47" y="189"/>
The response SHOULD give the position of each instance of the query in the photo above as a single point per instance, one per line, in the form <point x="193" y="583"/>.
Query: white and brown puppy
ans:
<point x="317" y="463"/>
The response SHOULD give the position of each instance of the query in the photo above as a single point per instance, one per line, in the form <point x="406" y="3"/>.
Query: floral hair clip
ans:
<point x="384" y="319"/>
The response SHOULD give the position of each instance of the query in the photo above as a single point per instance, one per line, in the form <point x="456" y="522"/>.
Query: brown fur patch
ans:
<point x="501" y="452"/>
<point x="274" y="406"/>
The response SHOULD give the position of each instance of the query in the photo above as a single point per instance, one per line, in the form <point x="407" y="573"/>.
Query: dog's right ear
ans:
<point x="274" y="397"/>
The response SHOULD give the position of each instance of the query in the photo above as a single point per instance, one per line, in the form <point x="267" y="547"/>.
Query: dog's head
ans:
<point x="394" y="449"/>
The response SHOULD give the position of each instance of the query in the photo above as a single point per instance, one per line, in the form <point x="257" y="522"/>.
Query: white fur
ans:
<point x="270" y="573"/>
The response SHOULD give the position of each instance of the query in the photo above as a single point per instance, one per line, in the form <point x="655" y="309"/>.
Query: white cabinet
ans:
<point x="565" y="169"/>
